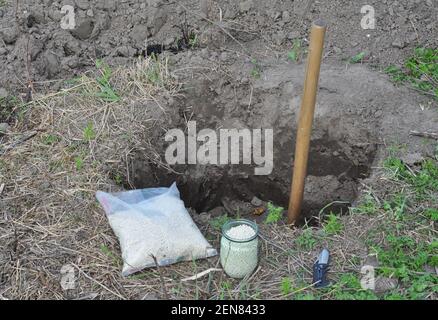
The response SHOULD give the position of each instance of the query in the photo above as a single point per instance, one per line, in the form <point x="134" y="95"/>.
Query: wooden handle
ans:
<point x="306" y="120"/>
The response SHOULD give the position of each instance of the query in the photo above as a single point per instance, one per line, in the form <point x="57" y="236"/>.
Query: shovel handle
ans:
<point x="306" y="120"/>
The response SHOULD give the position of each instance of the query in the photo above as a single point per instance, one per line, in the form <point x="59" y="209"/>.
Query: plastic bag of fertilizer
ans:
<point x="153" y="222"/>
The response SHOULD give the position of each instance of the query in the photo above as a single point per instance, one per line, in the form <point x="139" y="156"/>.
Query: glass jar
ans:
<point x="239" y="257"/>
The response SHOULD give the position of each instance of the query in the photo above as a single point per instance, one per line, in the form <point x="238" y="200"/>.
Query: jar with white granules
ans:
<point x="239" y="248"/>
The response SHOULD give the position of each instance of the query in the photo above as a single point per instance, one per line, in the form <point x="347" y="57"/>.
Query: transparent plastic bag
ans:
<point x="153" y="223"/>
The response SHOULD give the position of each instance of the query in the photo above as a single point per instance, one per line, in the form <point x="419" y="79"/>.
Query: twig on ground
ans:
<point x="246" y="280"/>
<point x="200" y="274"/>
<point x="20" y="141"/>
<point x="300" y="290"/>
<point x="429" y="135"/>
<point x="98" y="283"/>
<point x="219" y="26"/>
<point x="285" y="251"/>
<point x="30" y="88"/>
<point x="163" y="286"/>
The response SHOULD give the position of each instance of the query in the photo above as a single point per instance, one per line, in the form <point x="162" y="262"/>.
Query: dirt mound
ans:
<point x="35" y="46"/>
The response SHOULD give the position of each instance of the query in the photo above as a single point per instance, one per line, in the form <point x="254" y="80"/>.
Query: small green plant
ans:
<point x="432" y="214"/>
<point x="405" y="259"/>
<point x="107" y="251"/>
<point x="348" y="287"/>
<point x="333" y="225"/>
<point x="306" y="241"/>
<point x="367" y="206"/>
<point x="107" y="93"/>
<point x="2" y="3"/>
<point x="305" y="297"/>
<point x="296" y="52"/>
<point x="218" y="222"/>
<point x="118" y="179"/>
<point x="73" y="81"/>
<point x="89" y="133"/>
<point x="423" y="182"/>
<point x="79" y="163"/>
<point x="255" y="71"/>
<point x="193" y="40"/>
<point x="286" y="286"/>
<point x="154" y="71"/>
<point x="274" y="214"/>
<point x="397" y="206"/>
<point x="358" y="58"/>
<point x="50" y="139"/>
<point x="396" y="166"/>
<point x="420" y="71"/>
<point x="224" y="290"/>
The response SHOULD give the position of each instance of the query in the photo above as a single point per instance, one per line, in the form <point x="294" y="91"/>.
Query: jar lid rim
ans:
<point x="238" y="222"/>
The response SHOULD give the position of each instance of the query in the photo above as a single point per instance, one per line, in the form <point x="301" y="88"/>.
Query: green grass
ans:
<point x="114" y="257"/>
<point x="343" y="286"/>
<point x="405" y="259"/>
<point x="432" y="214"/>
<point x="118" y="179"/>
<point x="50" y="139"/>
<point x="348" y="287"/>
<point x="306" y="241"/>
<point x="274" y="214"/>
<point x="286" y="286"/>
<point x="358" y="58"/>
<point x="423" y="181"/>
<point x="79" y="163"/>
<point x="420" y="71"/>
<point x="193" y="40"/>
<point x="396" y="206"/>
<point x="332" y="225"/>
<point x="107" y="92"/>
<point x="305" y="297"/>
<point x="218" y="222"/>
<point x="89" y="133"/>
<point x="154" y="71"/>
<point x="367" y="206"/>
<point x="256" y="70"/>
<point x="403" y="240"/>
<point x="225" y="290"/>
<point x="296" y="52"/>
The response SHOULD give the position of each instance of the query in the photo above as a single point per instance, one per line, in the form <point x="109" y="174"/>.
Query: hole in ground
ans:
<point x="332" y="177"/>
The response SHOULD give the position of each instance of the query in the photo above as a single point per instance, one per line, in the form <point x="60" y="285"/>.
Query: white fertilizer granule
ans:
<point x="239" y="258"/>
<point x="241" y="232"/>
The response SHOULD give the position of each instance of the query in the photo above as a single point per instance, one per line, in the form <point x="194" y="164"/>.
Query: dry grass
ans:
<point x="71" y="143"/>
<point x="79" y="141"/>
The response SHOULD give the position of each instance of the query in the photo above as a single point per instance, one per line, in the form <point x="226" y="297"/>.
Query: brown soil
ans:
<point x="359" y="113"/>
<point x="261" y="28"/>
